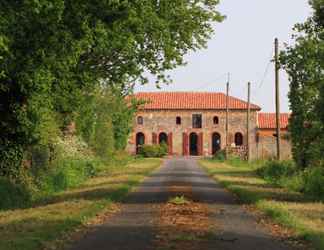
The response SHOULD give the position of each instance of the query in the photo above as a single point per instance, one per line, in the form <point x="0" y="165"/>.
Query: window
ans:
<point x="215" y="120"/>
<point x="140" y="120"/>
<point x="238" y="139"/>
<point x="163" y="138"/>
<point x="178" y="120"/>
<point x="196" y="121"/>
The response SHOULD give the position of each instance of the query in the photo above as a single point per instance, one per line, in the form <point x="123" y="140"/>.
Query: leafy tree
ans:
<point x="54" y="51"/>
<point x="304" y="63"/>
<point x="106" y="112"/>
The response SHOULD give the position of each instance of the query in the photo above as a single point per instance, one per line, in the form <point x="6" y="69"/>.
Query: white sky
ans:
<point x="242" y="45"/>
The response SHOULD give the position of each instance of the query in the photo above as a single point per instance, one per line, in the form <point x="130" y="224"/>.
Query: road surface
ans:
<point x="136" y="227"/>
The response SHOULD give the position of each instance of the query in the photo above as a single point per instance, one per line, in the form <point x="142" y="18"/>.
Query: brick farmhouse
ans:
<point x="194" y="123"/>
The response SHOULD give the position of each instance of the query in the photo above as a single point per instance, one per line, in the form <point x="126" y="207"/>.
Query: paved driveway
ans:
<point x="135" y="226"/>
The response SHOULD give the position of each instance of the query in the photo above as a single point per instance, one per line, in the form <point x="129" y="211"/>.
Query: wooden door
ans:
<point x="185" y="143"/>
<point x="170" y="141"/>
<point x="200" y="144"/>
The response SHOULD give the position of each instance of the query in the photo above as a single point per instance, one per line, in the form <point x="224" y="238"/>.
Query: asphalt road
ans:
<point x="134" y="227"/>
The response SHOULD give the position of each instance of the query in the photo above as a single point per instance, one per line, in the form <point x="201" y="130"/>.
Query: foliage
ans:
<point x="273" y="171"/>
<point x="220" y="155"/>
<point x="105" y="120"/>
<point x="178" y="200"/>
<point x="313" y="181"/>
<point x="53" y="52"/>
<point x="67" y="174"/>
<point x="151" y="151"/>
<point x="304" y="63"/>
<point x="13" y="194"/>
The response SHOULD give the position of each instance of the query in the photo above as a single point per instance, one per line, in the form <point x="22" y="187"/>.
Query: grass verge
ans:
<point x="288" y="208"/>
<point x="45" y="223"/>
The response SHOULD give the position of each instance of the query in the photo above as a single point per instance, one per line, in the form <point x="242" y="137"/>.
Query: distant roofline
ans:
<point x="253" y="106"/>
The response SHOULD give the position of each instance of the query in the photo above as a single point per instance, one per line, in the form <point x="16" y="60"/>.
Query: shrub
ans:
<point x="153" y="150"/>
<point x="67" y="173"/>
<point x="274" y="171"/>
<point x="295" y="182"/>
<point x="219" y="156"/>
<point x="122" y="157"/>
<point x="314" y="182"/>
<point x="13" y="194"/>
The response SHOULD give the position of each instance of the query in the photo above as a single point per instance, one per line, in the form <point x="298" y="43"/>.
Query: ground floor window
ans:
<point x="163" y="138"/>
<point x="216" y="143"/>
<point x="238" y="139"/>
<point x="140" y="140"/>
<point x="193" y="144"/>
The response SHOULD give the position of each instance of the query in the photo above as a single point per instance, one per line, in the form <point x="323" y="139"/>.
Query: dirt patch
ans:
<point x="183" y="223"/>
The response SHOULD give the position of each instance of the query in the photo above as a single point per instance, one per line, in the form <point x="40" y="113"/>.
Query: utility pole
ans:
<point x="248" y="121"/>
<point x="227" y="111"/>
<point x="277" y="67"/>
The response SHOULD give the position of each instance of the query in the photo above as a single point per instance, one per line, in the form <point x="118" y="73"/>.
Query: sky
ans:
<point x="241" y="45"/>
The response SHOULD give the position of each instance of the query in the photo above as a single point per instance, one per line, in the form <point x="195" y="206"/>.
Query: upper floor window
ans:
<point x="140" y="120"/>
<point x="196" y="121"/>
<point x="178" y="120"/>
<point x="216" y="120"/>
<point x="238" y="139"/>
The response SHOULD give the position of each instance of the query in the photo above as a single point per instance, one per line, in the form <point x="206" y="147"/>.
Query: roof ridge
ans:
<point x="273" y="113"/>
<point x="192" y="99"/>
<point x="178" y="91"/>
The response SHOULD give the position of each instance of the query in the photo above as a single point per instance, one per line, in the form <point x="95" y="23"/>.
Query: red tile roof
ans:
<point x="268" y="120"/>
<point x="190" y="100"/>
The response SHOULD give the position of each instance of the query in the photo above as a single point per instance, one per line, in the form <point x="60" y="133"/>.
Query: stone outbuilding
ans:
<point x="194" y="123"/>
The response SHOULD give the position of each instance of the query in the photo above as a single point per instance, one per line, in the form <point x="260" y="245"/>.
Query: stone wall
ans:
<point x="155" y="121"/>
<point x="267" y="147"/>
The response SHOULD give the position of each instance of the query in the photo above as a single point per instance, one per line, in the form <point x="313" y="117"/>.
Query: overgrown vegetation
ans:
<point x="155" y="150"/>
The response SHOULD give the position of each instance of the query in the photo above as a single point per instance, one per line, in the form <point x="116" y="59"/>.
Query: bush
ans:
<point x="157" y="150"/>
<point x="314" y="182"/>
<point x="13" y="195"/>
<point x="294" y="183"/>
<point x="274" y="171"/>
<point x="219" y="156"/>
<point x="67" y="173"/>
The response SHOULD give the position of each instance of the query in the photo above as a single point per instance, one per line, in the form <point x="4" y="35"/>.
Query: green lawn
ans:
<point x="45" y="224"/>
<point x="288" y="208"/>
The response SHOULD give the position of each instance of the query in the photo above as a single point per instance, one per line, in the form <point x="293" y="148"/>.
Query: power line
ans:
<point x="209" y="84"/>
<point x="266" y="71"/>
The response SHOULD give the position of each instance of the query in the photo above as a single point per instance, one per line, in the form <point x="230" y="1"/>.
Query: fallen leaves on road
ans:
<point x="184" y="225"/>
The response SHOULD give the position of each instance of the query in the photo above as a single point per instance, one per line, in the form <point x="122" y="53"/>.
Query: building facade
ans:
<point x="194" y="123"/>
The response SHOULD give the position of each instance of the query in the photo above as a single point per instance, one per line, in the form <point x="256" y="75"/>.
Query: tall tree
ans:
<point x="304" y="63"/>
<point x="52" y="51"/>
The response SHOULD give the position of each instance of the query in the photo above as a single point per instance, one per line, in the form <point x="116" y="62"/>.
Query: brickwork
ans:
<point x="159" y="121"/>
<point x="171" y="113"/>
<point x="267" y="147"/>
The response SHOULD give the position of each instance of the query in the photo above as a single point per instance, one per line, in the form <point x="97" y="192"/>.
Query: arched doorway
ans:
<point x="238" y="139"/>
<point x="163" y="138"/>
<point x="193" y="144"/>
<point x="140" y="140"/>
<point x="216" y="143"/>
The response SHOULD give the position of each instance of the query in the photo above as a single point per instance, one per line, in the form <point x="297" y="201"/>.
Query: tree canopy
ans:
<point x="304" y="63"/>
<point x="54" y="51"/>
